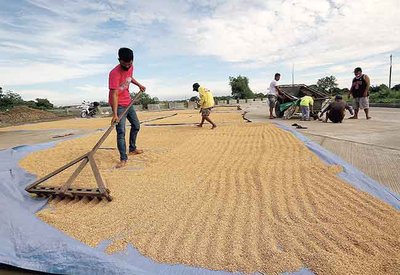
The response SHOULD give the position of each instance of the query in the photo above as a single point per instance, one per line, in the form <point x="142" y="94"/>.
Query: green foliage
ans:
<point x="145" y="99"/>
<point x="396" y="87"/>
<point x="10" y="99"/>
<point x="240" y="87"/>
<point x="327" y="84"/>
<point x="382" y="94"/>
<point x="103" y="103"/>
<point x="30" y="104"/>
<point x="259" y="95"/>
<point x="218" y="98"/>
<point x="338" y="91"/>
<point x="43" y="103"/>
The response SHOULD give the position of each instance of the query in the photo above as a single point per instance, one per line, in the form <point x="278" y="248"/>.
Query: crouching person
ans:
<point x="335" y="112"/>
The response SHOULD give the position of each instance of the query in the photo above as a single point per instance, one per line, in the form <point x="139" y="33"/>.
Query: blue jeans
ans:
<point x="305" y="112"/>
<point x="135" y="127"/>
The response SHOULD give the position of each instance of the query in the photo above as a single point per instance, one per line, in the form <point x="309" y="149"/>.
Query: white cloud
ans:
<point x="306" y="33"/>
<point x="67" y="96"/>
<point x="49" y="41"/>
<point x="21" y="73"/>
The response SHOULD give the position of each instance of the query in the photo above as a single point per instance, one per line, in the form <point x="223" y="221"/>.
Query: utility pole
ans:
<point x="390" y="73"/>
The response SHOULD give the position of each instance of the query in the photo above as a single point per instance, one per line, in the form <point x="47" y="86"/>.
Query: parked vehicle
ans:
<point x="287" y="105"/>
<point x="89" y="109"/>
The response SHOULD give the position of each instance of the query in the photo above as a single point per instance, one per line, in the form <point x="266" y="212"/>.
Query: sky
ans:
<point x="64" y="50"/>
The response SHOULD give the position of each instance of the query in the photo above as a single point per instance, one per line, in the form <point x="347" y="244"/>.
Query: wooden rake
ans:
<point x="66" y="190"/>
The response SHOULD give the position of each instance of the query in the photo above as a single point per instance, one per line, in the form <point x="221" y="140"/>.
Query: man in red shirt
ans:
<point x="119" y="98"/>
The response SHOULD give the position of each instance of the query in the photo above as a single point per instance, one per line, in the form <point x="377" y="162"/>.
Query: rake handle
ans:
<point x="105" y="135"/>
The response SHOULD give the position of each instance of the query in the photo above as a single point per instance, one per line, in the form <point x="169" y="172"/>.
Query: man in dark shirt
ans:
<point x="335" y="111"/>
<point x="360" y="92"/>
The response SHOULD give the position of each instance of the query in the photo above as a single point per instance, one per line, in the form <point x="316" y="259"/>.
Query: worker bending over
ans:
<point x="306" y="103"/>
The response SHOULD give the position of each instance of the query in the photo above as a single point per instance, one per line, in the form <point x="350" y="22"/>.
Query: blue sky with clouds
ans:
<point x="64" y="50"/>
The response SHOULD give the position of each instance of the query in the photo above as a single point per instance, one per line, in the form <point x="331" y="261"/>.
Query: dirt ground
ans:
<point x="23" y="114"/>
<point x="243" y="197"/>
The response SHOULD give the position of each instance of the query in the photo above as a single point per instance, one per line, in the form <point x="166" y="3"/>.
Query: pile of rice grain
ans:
<point x="243" y="197"/>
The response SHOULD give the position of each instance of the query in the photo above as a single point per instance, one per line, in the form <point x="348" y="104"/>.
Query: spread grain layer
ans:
<point x="243" y="197"/>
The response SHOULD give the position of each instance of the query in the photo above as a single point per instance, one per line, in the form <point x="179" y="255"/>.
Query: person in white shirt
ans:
<point x="272" y="94"/>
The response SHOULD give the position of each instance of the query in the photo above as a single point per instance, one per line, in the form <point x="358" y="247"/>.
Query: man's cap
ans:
<point x="358" y="69"/>
<point x="338" y="97"/>
<point x="196" y="86"/>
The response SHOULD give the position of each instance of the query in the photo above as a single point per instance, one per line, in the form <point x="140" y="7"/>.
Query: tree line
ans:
<point x="10" y="99"/>
<point x="380" y="93"/>
<point x="240" y="89"/>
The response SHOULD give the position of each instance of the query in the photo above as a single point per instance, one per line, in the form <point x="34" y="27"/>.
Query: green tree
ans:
<point x="396" y="87"/>
<point x="382" y="94"/>
<point x="103" y="103"/>
<point x="327" y="84"/>
<point x="30" y="103"/>
<point x="145" y="99"/>
<point x="259" y="95"/>
<point x="10" y="99"/>
<point x="240" y="87"/>
<point x="222" y="97"/>
<point x="43" y="103"/>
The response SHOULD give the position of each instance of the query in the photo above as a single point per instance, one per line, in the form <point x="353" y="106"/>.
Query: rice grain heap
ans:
<point x="243" y="197"/>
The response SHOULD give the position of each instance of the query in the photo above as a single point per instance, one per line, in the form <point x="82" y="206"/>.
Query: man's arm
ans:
<point x="114" y="106"/>
<point x="367" y="80"/>
<point x="326" y="109"/>
<point x="141" y="87"/>
<point x="279" y="90"/>
<point x="350" y="91"/>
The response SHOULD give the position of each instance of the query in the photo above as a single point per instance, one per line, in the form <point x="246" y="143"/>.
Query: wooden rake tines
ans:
<point x="65" y="190"/>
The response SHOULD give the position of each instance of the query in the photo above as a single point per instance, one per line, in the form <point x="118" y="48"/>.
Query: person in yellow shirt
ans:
<point x="306" y="103"/>
<point x="206" y="104"/>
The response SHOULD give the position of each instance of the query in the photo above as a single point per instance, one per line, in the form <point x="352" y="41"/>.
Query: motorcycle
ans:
<point x="89" y="109"/>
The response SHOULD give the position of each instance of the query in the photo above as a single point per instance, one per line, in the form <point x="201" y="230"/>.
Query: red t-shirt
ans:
<point x="120" y="79"/>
